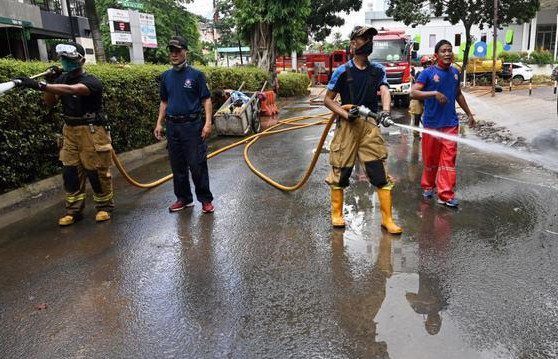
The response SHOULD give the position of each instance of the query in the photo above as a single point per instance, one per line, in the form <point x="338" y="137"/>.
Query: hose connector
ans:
<point x="366" y="112"/>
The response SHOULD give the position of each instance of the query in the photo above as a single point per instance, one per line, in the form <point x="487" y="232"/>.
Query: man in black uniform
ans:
<point x="86" y="151"/>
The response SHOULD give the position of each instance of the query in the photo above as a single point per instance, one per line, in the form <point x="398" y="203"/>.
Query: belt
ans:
<point x="184" y="118"/>
<point x="83" y="121"/>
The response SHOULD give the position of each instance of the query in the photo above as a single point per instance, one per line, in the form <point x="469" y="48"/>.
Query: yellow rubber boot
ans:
<point x="102" y="216"/>
<point x="385" y="206"/>
<point x="337" y="208"/>
<point x="66" y="220"/>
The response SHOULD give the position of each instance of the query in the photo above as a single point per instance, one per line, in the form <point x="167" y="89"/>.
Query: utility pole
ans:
<point x="494" y="47"/>
<point x="215" y="19"/>
<point x="240" y="49"/>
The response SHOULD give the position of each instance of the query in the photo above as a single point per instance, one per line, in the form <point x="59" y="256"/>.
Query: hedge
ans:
<point x="293" y="84"/>
<point x="29" y="131"/>
<point x="540" y="57"/>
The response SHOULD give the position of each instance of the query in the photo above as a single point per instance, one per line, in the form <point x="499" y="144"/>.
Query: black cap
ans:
<point x="361" y="31"/>
<point x="179" y="42"/>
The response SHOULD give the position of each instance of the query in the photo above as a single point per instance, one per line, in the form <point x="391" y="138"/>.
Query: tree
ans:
<point x="323" y="16"/>
<point x="272" y="27"/>
<point x="338" y="43"/>
<point x="91" y="13"/>
<point x="224" y="23"/>
<point x="469" y="12"/>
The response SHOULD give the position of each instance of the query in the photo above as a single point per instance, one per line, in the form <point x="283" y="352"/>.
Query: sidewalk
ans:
<point x="35" y="197"/>
<point x="525" y="116"/>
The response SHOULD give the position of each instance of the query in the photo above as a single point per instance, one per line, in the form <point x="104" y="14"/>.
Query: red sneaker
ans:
<point x="179" y="205"/>
<point x="207" y="207"/>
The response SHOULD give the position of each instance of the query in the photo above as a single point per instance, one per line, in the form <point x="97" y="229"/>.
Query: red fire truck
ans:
<point x="317" y="65"/>
<point x="392" y="48"/>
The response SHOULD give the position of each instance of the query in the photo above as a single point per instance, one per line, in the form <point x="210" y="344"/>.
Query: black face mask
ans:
<point x="365" y="49"/>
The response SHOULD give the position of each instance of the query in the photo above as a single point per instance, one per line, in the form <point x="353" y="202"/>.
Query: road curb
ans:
<point x="12" y="204"/>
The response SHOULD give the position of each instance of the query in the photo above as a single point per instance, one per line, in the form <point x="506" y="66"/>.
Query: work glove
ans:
<point x="353" y="114"/>
<point x="26" y="82"/>
<point x="384" y="119"/>
<point x="54" y="73"/>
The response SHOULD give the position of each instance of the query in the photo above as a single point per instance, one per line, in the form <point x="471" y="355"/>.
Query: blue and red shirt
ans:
<point x="183" y="91"/>
<point x="366" y="84"/>
<point x="435" y="114"/>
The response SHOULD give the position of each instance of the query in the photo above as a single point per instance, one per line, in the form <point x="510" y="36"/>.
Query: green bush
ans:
<point x="510" y="56"/>
<point x="29" y="131"/>
<point x="293" y="84"/>
<point x="541" y="57"/>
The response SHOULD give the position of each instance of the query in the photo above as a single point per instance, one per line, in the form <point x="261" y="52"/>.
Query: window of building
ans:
<point x="457" y="41"/>
<point x="78" y="7"/>
<point x="432" y="40"/>
<point x="483" y="38"/>
<point x="48" y="5"/>
<point x="546" y="35"/>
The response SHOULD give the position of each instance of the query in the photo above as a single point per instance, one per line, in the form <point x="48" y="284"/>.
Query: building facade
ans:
<point x="26" y="25"/>
<point x="540" y="33"/>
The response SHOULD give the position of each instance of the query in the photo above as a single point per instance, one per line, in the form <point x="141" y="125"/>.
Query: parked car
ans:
<point x="520" y="72"/>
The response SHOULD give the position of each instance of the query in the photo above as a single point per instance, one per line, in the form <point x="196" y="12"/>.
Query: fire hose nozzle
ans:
<point x="383" y="118"/>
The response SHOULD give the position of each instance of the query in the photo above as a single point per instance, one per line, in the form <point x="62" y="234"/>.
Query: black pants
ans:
<point x="187" y="149"/>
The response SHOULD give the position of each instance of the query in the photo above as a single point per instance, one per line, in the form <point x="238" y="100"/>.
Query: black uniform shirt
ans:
<point x="366" y="84"/>
<point x="78" y="105"/>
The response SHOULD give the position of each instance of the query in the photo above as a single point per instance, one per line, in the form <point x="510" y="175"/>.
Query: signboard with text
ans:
<point x="148" y="34"/>
<point x="119" y="23"/>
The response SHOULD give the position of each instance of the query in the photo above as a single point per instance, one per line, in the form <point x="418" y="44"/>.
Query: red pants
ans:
<point x="438" y="156"/>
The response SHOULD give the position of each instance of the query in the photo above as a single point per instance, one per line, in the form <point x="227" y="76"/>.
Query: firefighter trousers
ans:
<point x="358" y="139"/>
<point x="85" y="154"/>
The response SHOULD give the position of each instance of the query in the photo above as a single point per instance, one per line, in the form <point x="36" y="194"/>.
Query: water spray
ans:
<point x="542" y="160"/>
<point x="545" y="161"/>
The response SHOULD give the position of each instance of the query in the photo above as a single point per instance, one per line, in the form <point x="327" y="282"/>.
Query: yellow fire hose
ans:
<point x="249" y="141"/>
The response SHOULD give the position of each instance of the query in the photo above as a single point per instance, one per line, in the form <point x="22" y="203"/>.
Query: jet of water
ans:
<point x="543" y="160"/>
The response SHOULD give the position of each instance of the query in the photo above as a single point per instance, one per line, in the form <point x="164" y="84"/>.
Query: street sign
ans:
<point x="132" y="5"/>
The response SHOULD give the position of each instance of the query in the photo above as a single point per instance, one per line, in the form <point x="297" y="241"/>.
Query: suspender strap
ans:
<point x="374" y="75"/>
<point x="350" y="83"/>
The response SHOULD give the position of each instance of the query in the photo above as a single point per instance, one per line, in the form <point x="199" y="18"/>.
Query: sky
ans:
<point x="205" y="8"/>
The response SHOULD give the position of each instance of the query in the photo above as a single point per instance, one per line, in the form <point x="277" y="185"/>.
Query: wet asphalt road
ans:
<point x="265" y="276"/>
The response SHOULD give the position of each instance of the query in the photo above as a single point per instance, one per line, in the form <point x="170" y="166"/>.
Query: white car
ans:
<point x="520" y="72"/>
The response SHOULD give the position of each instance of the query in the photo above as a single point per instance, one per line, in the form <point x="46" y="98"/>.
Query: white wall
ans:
<point x="542" y="69"/>
<point x="444" y="30"/>
<point x="87" y="43"/>
<point x="546" y="17"/>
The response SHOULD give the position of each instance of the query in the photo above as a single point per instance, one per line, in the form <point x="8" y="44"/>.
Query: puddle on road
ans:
<point x="474" y="283"/>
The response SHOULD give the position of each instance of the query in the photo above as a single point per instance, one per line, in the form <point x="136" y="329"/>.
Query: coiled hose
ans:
<point x="293" y="124"/>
